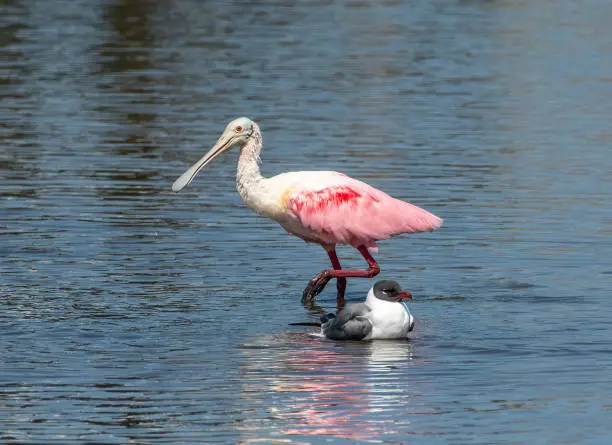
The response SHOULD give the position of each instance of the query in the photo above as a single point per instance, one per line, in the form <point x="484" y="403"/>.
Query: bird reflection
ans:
<point x="315" y="387"/>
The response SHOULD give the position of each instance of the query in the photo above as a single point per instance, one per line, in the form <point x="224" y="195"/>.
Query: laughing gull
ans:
<point x="384" y="315"/>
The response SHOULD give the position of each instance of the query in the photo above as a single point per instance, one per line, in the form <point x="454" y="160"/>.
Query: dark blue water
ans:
<point x="130" y="314"/>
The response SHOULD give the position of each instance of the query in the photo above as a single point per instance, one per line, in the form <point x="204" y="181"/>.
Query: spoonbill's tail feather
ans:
<point x="408" y="218"/>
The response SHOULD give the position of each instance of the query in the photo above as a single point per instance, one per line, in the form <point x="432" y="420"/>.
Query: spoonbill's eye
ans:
<point x="238" y="129"/>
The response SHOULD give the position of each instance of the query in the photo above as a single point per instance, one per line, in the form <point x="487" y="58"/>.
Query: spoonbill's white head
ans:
<point x="237" y="132"/>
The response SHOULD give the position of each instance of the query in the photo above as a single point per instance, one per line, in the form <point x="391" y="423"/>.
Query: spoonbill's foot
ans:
<point x="316" y="286"/>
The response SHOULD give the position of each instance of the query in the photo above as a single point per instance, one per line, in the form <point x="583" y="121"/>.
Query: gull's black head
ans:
<point x="389" y="290"/>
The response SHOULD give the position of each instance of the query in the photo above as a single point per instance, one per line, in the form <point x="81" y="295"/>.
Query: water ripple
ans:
<point x="133" y="314"/>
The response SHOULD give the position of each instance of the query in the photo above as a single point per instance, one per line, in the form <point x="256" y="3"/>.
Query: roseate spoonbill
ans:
<point x="384" y="315"/>
<point x="323" y="207"/>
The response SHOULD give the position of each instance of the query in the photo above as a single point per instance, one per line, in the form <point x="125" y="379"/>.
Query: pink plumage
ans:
<point x="351" y="212"/>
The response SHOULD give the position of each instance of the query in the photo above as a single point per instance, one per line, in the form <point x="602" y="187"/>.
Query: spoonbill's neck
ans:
<point x="248" y="175"/>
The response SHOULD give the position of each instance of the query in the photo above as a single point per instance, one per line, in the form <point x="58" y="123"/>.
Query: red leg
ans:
<point x="340" y="281"/>
<point x="318" y="283"/>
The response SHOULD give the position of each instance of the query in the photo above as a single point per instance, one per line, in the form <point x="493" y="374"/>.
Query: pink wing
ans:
<point x="352" y="212"/>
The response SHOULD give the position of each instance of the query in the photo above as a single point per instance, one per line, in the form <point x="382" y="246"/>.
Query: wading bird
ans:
<point x="323" y="207"/>
<point x="384" y="315"/>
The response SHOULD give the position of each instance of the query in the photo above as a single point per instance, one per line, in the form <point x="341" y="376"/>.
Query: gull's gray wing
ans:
<point x="350" y="324"/>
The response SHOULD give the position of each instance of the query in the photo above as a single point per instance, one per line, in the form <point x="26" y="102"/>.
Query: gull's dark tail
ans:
<point x="324" y="319"/>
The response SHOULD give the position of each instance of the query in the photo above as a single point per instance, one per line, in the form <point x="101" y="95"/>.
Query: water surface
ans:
<point x="133" y="314"/>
